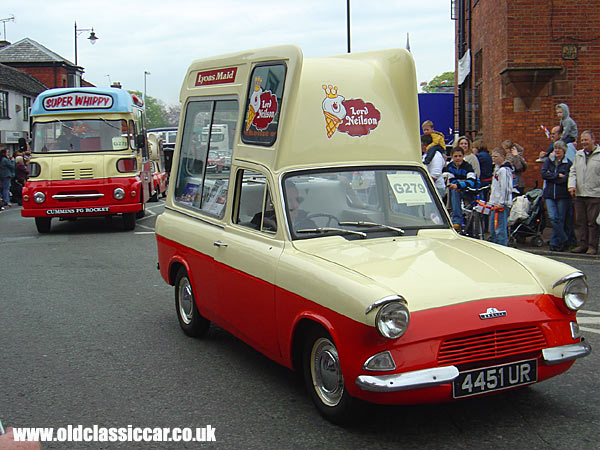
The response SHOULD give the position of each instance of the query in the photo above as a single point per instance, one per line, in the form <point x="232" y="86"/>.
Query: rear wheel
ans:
<point x="190" y="320"/>
<point x="43" y="224"/>
<point x="324" y="379"/>
<point x="128" y="221"/>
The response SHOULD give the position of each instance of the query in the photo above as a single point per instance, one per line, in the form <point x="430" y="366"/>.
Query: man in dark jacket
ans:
<point x="556" y="195"/>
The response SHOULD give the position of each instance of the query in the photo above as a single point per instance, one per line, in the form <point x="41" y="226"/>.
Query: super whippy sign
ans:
<point x="77" y="100"/>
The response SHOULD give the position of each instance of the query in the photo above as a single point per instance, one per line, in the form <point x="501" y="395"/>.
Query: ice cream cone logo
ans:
<point x="254" y="102"/>
<point x="333" y="109"/>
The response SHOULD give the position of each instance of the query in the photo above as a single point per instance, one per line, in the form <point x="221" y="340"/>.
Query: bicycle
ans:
<point x="474" y="213"/>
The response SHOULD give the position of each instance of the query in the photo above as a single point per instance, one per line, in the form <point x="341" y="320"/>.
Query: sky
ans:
<point x="164" y="37"/>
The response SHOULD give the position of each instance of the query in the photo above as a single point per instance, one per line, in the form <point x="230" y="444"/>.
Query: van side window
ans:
<point x="255" y="207"/>
<point x="265" y="92"/>
<point x="203" y="167"/>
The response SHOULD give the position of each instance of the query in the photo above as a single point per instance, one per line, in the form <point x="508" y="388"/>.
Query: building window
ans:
<point x="4" y="105"/>
<point x="26" y="106"/>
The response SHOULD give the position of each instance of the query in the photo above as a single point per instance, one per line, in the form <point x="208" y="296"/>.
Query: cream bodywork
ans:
<point x="102" y="165"/>
<point x="436" y="268"/>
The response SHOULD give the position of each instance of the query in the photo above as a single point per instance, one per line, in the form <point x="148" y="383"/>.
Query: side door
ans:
<point x="200" y="202"/>
<point x="252" y="247"/>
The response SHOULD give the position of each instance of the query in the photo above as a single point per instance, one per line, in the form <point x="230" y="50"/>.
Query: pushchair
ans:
<point x="532" y="225"/>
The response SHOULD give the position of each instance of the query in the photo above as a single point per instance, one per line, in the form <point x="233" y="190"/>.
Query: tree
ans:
<point x="156" y="111"/>
<point x="440" y="83"/>
<point x="173" y="112"/>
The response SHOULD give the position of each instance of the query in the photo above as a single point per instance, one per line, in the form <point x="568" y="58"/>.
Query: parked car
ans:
<point x="159" y="182"/>
<point x="327" y="248"/>
<point x="215" y="162"/>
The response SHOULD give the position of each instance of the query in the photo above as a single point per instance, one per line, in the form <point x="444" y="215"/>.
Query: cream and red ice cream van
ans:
<point x="327" y="248"/>
<point x="89" y="157"/>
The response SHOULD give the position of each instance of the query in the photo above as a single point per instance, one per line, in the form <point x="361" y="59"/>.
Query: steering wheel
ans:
<point x="330" y="218"/>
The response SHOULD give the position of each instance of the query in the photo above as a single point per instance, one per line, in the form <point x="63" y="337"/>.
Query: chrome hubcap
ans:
<point x="326" y="373"/>
<point x="186" y="299"/>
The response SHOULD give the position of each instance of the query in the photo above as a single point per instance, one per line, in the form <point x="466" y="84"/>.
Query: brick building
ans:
<point x="527" y="56"/>
<point x="48" y="67"/>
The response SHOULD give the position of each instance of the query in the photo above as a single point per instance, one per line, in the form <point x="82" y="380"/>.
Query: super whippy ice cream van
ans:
<point x="89" y="157"/>
<point x="326" y="247"/>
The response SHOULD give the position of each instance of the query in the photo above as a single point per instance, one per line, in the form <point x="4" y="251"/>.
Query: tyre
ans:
<point x="142" y="212"/>
<point x="190" y="320"/>
<point x="154" y="196"/>
<point x="324" y="379"/>
<point x="43" y="224"/>
<point x="128" y="221"/>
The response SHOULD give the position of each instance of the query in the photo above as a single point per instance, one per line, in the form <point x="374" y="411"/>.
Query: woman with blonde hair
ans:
<point x="465" y="143"/>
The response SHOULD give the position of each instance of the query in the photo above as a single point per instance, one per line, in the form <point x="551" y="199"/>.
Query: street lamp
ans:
<point x="92" y="37"/>
<point x="146" y="73"/>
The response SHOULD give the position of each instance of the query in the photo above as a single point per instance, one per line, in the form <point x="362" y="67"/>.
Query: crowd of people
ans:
<point x="14" y="172"/>
<point x="571" y="181"/>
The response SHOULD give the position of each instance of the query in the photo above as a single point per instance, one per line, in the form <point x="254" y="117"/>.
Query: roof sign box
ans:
<point x="77" y="100"/>
<point x="220" y="76"/>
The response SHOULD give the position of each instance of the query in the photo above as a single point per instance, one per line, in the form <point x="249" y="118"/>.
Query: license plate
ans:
<point x="496" y="378"/>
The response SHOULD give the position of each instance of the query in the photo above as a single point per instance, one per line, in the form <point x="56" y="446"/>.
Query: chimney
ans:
<point x="4" y="44"/>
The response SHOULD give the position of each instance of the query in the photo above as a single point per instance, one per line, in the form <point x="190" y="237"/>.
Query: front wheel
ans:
<point x="129" y="221"/>
<point x="154" y="196"/>
<point x="43" y="224"/>
<point x="190" y="320"/>
<point x="324" y="379"/>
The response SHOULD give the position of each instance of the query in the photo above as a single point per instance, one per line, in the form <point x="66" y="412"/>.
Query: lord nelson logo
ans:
<point x="354" y="117"/>
<point x="262" y="109"/>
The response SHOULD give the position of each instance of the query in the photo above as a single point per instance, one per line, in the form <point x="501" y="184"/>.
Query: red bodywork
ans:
<point x="159" y="182"/>
<point x="451" y="335"/>
<point x="83" y="207"/>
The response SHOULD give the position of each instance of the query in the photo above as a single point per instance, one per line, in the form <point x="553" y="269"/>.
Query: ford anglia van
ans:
<point x="327" y="248"/>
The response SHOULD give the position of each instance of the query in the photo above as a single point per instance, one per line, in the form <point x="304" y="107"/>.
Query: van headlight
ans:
<point x="39" y="197"/>
<point x="575" y="293"/>
<point x="119" y="193"/>
<point x="392" y="319"/>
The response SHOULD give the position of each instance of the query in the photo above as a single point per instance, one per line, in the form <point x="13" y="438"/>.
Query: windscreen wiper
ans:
<point x="332" y="230"/>
<point x="400" y="231"/>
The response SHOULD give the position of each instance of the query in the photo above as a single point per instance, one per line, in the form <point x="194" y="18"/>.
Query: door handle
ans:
<point x="219" y="244"/>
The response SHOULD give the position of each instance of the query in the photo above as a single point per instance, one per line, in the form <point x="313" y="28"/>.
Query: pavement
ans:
<point x="545" y="249"/>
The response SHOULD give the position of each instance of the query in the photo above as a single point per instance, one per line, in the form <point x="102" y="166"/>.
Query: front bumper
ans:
<point x="442" y="375"/>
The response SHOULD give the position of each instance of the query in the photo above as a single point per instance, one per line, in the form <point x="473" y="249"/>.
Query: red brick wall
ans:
<point x="529" y="33"/>
<point x="53" y="77"/>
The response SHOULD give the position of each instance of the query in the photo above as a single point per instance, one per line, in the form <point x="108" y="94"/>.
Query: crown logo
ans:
<point x="257" y="82"/>
<point x="330" y="90"/>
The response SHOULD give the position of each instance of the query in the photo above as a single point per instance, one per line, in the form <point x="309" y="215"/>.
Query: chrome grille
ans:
<point x="491" y="345"/>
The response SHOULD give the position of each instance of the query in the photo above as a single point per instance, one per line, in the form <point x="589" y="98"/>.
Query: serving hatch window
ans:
<point x="265" y="93"/>
<point x="73" y="136"/>
<point x="203" y="167"/>
<point x="361" y="203"/>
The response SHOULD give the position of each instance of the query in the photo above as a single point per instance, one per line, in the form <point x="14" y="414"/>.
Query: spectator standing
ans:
<point x="569" y="127"/>
<point x="465" y="143"/>
<point x="435" y="166"/>
<point x="584" y="185"/>
<point x="514" y="156"/>
<point x="461" y="177"/>
<point x="21" y="176"/>
<point x="486" y="166"/>
<point x="500" y="197"/>
<point x="7" y="173"/>
<point x="556" y="196"/>
<point x="437" y="139"/>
